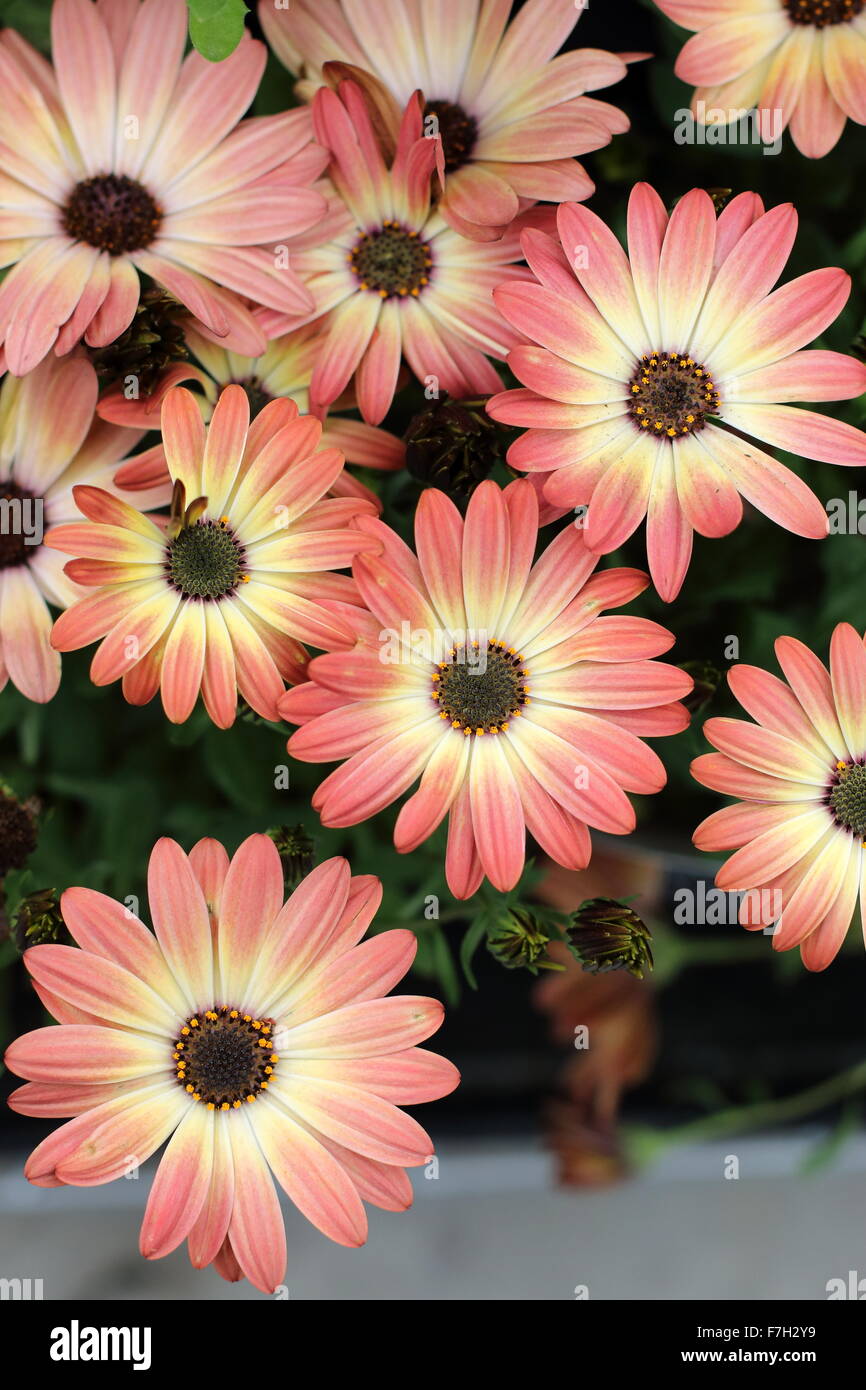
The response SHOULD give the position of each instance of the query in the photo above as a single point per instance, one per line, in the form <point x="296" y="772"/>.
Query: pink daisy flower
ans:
<point x="802" y="63"/>
<point x="496" y="682"/>
<point x="50" y="443"/>
<point x="283" y="370"/>
<point x="221" y="600"/>
<point x="250" y="1033"/>
<point x="644" y="372"/>
<point x="799" y="827"/>
<point x="511" y="115"/>
<point x="390" y="273"/>
<point x="126" y="157"/>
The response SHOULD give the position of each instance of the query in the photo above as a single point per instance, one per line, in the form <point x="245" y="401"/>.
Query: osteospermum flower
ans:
<point x="510" y="114"/>
<point x="251" y="1034"/>
<point x="127" y="157"/>
<point x="649" y="368"/>
<point x="284" y="369"/>
<point x="802" y="63"/>
<point x="497" y="683"/>
<point x="393" y="277"/>
<point x="50" y="443"/>
<point x="221" y="601"/>
<point x="800" y="770"/>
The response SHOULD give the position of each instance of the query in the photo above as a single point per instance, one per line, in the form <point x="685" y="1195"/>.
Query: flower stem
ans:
<point x="739" y="1119"/>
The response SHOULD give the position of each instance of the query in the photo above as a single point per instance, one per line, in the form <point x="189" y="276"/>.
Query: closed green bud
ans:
<point x="608" y="935"/>
<point x="519" y="942"/>
<point x="706" y="678"/>
<point x="153" y="342"/>
<point x="295" y="848"/>
<point x="38" y="921"/>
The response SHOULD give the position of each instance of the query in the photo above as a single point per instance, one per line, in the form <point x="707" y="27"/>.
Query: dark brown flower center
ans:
<point x="457" y="130"/>
<point x="112" y="212"/>
<point x="224" y="1057"/>
<point x="206" y="560"/>
<point x="392" y="260"/>
<point x="21" y="525"/>
<point x="480" y="687"/>
<point x="17" y="833"/>
<point x="847" y="797"/>
<point x="671" y="394"/>
<point x="820" y="13"/>
<point x="256" y="394"/>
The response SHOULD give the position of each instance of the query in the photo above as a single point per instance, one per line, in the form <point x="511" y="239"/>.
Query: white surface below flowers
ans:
<point x="493" y="1226"/>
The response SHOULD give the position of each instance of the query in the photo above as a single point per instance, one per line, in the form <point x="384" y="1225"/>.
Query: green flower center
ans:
<point x="672" y="395"/>
<point x="205" y="561"/>
<point x="848" y="797"/>
<point x="393" y="260"/>
<point x="457" y="130"/>
<point x="224" y="1057"/>
<point x="20" y="525"/>
<point x="820" y="13"/>
<point x="112" y="212"/>
<point x="480" y="687"/>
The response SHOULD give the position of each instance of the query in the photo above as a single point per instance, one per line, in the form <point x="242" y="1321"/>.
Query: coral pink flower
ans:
<point x="511" y="115"/>
<point x="800" y="771"/>
<point x="251" y="1034"/>
<point x="284" y="369"/>
<point x="497" y="683"/>
<point x="802" y="63"/>
<point x="50" y="442"/>
<point x="221" y="601"/>
<point x="650" y="368"/>
<point x="127" y="157"/>
<point x="393" y="277"/>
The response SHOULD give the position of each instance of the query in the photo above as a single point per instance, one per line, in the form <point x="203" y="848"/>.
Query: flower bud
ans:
<point x="295" y="848"/>
<point x="454" y="445"/>
<point x="38" y="921"/>
<point x="608" y="935"/>
<point x="519" y="942"/>
<point x="17" y="830"/>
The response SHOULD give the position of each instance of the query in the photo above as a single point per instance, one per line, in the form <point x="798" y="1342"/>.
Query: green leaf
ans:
<point x="829" y="1147"/>
<point x="16" y="885"/>
<point x="240" y="766"/>
<point x="469" y="945"/>
<point x="216" y="27"/>
<point x="30" y="18"/>
<point x="443" y="964"/>
<point x="276" y="93"/>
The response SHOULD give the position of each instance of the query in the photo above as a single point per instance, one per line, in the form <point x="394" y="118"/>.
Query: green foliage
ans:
<point x="216" y="27"/>
<point x="32" y="18"/>
<point x="830" y="1146"/>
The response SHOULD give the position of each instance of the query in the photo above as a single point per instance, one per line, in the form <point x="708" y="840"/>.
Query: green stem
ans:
<point x="738" y="1119"/>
